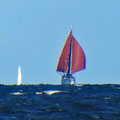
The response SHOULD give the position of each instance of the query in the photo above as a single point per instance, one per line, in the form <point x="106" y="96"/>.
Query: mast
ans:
<point x="70" y="55"/>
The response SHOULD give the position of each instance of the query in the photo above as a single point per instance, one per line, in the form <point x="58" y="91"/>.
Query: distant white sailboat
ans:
<point x="19" y="82"/>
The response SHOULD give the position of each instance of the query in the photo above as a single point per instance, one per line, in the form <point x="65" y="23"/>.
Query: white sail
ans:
<point x="19" y="76"/>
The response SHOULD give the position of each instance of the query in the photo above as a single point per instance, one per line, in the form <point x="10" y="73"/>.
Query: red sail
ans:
<point x="78" y="57"/>
<point x="77" y="62"/>
<point x="63" y="64"/>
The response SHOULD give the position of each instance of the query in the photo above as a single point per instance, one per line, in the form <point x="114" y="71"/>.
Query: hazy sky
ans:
<point x="33" y="32"/>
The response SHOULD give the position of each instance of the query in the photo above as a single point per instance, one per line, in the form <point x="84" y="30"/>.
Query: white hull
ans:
<point x="68" y="80"/>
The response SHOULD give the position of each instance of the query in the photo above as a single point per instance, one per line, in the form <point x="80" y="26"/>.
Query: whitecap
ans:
<point x="49" y="92"/>
<point x="17" y="93"/>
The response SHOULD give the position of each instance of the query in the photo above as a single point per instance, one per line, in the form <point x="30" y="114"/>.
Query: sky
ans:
<point x="33" y="33"/>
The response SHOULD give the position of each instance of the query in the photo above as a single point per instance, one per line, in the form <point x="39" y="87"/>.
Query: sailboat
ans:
<point x="19" y="76"/>
<point x="72" y="60"/>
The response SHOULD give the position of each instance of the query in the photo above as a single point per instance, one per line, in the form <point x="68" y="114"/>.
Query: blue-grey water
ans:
<point x="56" y="102"/>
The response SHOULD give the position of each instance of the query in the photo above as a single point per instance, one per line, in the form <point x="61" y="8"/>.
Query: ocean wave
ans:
<point x="56" y="102"/>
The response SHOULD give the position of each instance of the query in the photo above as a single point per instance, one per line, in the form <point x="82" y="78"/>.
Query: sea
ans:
<point x="58" y="102"/>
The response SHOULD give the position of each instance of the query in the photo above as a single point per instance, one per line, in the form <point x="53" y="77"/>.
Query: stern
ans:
<point x="68" y="80"/>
